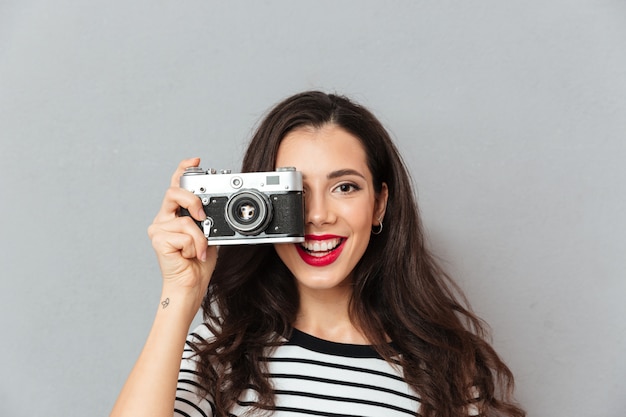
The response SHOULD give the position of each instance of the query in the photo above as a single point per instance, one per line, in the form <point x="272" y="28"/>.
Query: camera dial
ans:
<point x="194" y="171"/>
<point x="236" y="182"/>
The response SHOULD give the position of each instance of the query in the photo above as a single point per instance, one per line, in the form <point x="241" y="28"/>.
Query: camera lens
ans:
<point x="248" y="212"/>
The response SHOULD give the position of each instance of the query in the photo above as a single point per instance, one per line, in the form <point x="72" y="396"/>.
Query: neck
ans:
<point x="325" y="315"/>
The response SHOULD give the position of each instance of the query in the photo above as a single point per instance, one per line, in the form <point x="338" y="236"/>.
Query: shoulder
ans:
<point x="197" y="337"/>
<point x="201" y="333"/>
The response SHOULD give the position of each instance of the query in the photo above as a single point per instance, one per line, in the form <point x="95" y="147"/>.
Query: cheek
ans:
<point x="359" y="216"/>
<point x="286" y="252"/>
<point x="280" y="251"/>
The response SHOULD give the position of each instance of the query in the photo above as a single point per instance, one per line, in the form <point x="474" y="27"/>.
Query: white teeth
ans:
<point x="321" y="246"/>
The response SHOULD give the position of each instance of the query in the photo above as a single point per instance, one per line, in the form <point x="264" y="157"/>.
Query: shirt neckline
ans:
<point x="310" y="342"/>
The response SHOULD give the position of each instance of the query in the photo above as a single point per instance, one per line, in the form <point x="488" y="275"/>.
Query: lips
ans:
<point x="321" y="250"/>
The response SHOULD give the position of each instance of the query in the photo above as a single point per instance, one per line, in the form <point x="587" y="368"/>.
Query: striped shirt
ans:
<point x="311" y="377"/>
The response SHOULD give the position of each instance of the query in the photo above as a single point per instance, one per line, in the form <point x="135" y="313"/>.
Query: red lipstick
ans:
<point x="320" y="258"/>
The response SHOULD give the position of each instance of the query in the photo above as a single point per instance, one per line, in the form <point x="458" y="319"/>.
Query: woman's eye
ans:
<point x="347" y="188"/>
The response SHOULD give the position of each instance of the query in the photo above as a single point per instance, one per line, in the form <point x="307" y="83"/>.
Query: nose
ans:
<point x="317" y="211"/>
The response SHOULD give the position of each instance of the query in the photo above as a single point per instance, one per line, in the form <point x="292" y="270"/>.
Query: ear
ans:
<point x="380" y="205"/>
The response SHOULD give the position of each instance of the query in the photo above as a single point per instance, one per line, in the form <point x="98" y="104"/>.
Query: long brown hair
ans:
<point x="399" y="292"/>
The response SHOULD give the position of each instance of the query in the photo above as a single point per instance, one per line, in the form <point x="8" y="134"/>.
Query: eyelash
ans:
<point x="353" y="187"/>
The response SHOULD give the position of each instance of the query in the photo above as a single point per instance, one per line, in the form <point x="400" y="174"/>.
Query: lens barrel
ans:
<point x="248" y="212"/>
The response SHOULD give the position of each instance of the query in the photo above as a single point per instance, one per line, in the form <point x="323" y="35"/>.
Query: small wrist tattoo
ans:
<point x="165" y="302"/>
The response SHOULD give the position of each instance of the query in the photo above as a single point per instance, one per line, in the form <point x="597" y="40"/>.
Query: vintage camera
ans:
<point x="248" y="208"/>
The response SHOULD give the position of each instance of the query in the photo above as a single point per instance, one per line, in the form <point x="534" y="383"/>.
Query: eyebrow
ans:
<point x="343" y="173"/>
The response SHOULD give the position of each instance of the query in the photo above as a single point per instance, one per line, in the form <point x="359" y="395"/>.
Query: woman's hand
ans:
<point x="186" y="260"/>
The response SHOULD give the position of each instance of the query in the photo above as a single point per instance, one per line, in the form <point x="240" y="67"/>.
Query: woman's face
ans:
<point x="340" y="206"/>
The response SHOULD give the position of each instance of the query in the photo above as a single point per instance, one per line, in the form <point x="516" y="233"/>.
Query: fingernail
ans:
<point x="203" y="256"/>
<point x="201" y="214"/>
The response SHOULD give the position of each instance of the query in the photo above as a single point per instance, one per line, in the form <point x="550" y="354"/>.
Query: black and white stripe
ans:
<point x="313" y="377"/>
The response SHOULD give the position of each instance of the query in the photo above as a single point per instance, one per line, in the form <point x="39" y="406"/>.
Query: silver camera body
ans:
<point x="248" y="208"/>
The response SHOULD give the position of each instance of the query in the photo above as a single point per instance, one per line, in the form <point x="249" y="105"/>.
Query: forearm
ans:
<point x="186" y="264"/>
<point x="150" y="389"/>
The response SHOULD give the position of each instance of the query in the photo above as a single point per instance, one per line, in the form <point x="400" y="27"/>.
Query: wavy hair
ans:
<point x="400" y="291"/>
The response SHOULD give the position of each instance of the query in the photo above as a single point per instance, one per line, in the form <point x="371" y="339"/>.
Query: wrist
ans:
<point x="180" y="303"/>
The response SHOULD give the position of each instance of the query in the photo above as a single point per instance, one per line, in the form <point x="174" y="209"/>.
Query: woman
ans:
<point x="357" y="320"/>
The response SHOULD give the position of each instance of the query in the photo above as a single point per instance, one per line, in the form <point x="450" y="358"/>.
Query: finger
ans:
<point x="169" y="243"/>
<point x="184" y="226"/>
<point x="184" y="164"/>
<point x="176" y="197"/>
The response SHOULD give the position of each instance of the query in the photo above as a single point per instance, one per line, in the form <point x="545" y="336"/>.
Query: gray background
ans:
<point x="510" y="114"/>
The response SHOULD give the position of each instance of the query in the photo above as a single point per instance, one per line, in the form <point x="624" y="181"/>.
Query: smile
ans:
<point x="317" y="248"/>
<point x="320" y="250"/>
